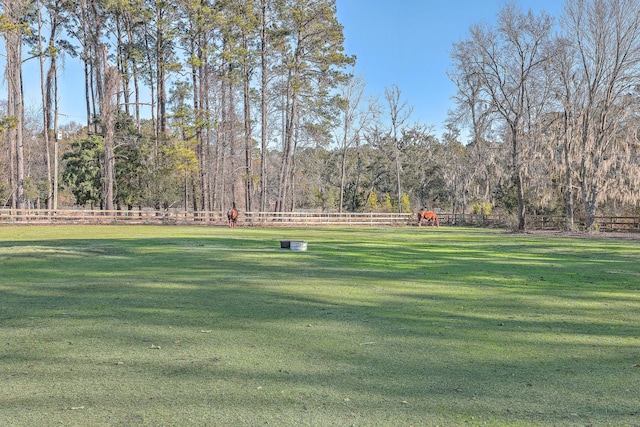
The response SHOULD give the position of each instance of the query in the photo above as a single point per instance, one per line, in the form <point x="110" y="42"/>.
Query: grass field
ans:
<point x="173" y="326"/>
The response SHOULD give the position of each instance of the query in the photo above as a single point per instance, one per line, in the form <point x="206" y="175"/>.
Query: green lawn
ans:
<point x="210" y="326"/>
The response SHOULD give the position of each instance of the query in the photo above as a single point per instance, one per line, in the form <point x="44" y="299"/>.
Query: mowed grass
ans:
<point x="210" y="326"/>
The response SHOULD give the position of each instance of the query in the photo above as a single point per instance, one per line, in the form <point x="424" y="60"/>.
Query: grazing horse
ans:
<point x="429" y="217"/>
<point x="232" y="216"/>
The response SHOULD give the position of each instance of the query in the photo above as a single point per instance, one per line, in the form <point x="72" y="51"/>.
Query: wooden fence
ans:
<point x="88" y="216"/>
<point x="263" y="219"/>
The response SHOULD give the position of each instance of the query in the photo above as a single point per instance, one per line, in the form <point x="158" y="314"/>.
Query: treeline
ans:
<point x="563" y="97"/>
<point x="220" y="81"/>
<point x="205" y="104"/>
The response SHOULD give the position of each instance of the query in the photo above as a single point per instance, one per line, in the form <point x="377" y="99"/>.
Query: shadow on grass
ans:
<point x="347" y="331"/>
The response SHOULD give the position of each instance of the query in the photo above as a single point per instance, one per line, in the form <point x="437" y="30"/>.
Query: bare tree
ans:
<point x="506" y="61"/>
<point x="474" y="113"/>
<point x="457" y="170"/>
<point x="399" y="114"/>
<point x="606" y="34"/>
<point x="563" y="127"/>
<point x="354" y="117"/>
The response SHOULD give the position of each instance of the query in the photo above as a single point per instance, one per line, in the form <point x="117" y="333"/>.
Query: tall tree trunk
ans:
<point x="206" y="141"/>
<point x="356" y="186"/>
<point x="590" y="200"/>
<point x="15" y="102"/>
<point x="85" y="24"/>
<point x="96" y="47"/>
<point x="568" y="173"/>
<point x="517" y="176"/>
<point x="285" y="165"/>
<point x="264" y="81"/>
<point x="108" y="108"/>
<point x="46" y="114"/>
<point x="396" y="151"/>
<point x="132" y="59"/>
<point x="123" y="67"/>
<point x="248" y="172"/>
<point x="231" y="118"/>
<point x="50" y="103"/>
<point x="222" y="143"/>
<point x="152" y="90"/>
<point x="291" y="113"/>
<point x="343" y="174"/>
<point x="160" y="70"/>
<point x="87" y="91"/>
<point x="197" y="118"/>
<point x="199" y="101"/>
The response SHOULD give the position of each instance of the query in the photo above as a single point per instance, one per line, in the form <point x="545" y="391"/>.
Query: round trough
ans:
<point x="294" y="245"/>
<point x="298" y="246"/>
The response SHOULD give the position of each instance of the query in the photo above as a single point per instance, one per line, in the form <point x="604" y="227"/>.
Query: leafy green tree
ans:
<point x="483" y="208"/>
<point x="83" y="172"/>
<point x="180" y="167"/>
<point x="313" y="63"/>
<point x="405" y="204"/>
<point x="387" y="204"/>
<point x="372" y="202"/>
<point x="132" y="153"/>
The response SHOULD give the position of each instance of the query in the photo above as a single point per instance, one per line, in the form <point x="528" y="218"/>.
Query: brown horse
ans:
<point x="232" y="216"/>
<point x="429" y="217"/>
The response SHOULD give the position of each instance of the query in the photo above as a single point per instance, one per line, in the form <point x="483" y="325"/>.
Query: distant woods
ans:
<point x="200" y="105"/>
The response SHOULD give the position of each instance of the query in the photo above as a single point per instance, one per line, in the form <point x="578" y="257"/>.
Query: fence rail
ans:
<point x="149" y="216"/>
<point x="36" y="216"/>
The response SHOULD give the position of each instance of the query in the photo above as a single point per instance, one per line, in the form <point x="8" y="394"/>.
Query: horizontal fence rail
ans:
<point x="61" y="216"/>
<point x="176" y="216"/>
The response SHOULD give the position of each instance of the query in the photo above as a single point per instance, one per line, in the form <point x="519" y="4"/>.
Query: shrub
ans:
<point x="483" y="208"/>
<point x="405" y="204"/>
<point x="387" y="204"/>
<point x="372" y="202"/>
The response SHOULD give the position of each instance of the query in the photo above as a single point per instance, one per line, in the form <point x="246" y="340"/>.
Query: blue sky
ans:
<point x="407" y="43"/>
